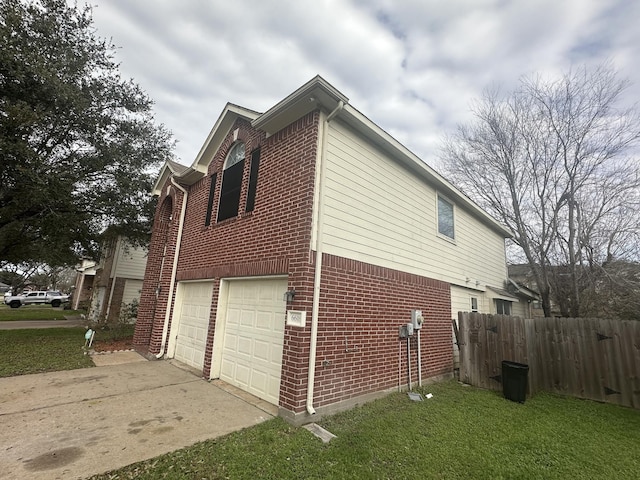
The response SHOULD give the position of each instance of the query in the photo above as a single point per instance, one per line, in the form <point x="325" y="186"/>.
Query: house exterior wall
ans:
<point x="120" y="262"/>
<point x="379" y="212"/>
<point x="376" y="224"/>
<point x="130" y="262"/>
<point x="154" y="298"/>
<point x="362" y="307"/>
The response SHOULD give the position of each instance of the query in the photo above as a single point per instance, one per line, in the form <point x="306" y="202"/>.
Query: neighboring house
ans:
<point x="522" y="276"/>
<point x="286" y="258"/>
<point x="85" y="274"/>
<point x="117" y="279"/>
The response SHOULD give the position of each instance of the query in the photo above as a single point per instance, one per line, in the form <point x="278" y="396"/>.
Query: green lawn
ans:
<point x="41" y="350"/>
<point x="461" y="433"/>
<point x="34" y="312"/>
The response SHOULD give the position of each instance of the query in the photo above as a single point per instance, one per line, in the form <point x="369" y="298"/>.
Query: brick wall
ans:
<point x="116" y="299"/>
<point x="261" y="242"/>
<point x="155" y="288"/>
<point x="362" y="307"/>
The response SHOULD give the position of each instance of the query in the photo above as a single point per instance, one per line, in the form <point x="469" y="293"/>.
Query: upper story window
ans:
<point x="445" y="218"/>
<point x="231" y="182"/>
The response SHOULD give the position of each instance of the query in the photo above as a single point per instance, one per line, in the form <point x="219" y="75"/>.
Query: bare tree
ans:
<point x="554" y="161"/>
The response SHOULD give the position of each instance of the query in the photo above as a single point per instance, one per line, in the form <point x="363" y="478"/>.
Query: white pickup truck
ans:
<point x="52" y="297"/>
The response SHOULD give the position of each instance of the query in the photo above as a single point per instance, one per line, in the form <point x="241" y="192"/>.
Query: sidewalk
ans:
<point x="20" y="324"/>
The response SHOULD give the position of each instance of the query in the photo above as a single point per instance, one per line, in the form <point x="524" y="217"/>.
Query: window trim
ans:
<point x="500" y="301"/>
<point x="474" y="300"/>
<point x="238" y="188"/>
<point x="212" y="191"/>
<point x="252" y="186"/>
<point x="440" y="234"/>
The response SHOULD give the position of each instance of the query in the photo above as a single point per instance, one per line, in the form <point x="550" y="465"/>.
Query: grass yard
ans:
<point x="38" y="350"/>
<point x="461" y="433"/>
<point x="34" y="312"/>
<point x="41" y="350"/>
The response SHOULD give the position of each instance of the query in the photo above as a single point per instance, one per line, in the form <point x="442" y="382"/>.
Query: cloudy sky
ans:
<point x="411" y="66"/>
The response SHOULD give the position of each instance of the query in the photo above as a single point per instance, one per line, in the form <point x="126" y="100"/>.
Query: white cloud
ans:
<point x="412" y="66"/>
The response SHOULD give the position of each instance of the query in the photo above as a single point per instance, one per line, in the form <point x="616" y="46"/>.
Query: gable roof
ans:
<point x="168" y="169"/>
<point x="317" y="93"/>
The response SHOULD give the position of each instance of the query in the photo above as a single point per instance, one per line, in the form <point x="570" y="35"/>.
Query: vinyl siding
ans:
<point x="132" y="291"/>
<point x="376" y="211"/>
<point x="461" y="301"/>
<point x="131" y="262"/>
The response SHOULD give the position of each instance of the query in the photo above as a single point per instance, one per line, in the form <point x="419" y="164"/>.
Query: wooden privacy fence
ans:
<point x="590" y="358"/>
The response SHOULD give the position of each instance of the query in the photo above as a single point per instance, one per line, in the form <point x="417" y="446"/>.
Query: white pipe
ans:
<point x="78" y="292"/>
<point x="318" y="271"/>
<point x="419" y="361"/>
<point x="167" y="314"/>
<point x="409" y="359"/>
<point x="114" y="270"/>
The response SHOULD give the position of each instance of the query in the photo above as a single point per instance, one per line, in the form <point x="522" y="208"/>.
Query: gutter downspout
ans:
<point x="167" y="315"/>
<point x="114" y="269"/>
<point x="318" y="270"/>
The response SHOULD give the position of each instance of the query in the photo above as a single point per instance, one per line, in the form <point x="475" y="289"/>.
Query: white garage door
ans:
<point x="253" y="337"/>
<point x="192" y="322"/>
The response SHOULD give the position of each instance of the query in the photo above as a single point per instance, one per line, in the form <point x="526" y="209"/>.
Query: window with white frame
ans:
<point x="503" y="307"/>
<point x="474" y="304"/>
<point x="445" y="218"/>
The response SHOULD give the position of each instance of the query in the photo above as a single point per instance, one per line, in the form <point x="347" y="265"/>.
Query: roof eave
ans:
<point x="316" y="93"/>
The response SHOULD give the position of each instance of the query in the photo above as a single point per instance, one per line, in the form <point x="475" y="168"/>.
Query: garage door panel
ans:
<point x="262" y="350"/>
<point x="193" y="323"/>
<point x="254" y="335"/>
<point x="245" y="347"/>
<point x="259" y="381"/>
<point x="243" y="373"/>
<point x="247" y="318"/>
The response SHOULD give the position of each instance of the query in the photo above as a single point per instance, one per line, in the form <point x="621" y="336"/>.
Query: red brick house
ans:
<point x="286" y="258"/>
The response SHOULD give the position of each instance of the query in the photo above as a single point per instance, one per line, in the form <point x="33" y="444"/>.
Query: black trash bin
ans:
<point x="514" y="381"/>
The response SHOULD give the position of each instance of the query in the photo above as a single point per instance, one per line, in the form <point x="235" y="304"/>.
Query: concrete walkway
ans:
<point x="63" y="322"/>
<point x="77" y="423"/>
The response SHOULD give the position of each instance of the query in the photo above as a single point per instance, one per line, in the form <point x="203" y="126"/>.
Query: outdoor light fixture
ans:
<point x="289" y="295"/>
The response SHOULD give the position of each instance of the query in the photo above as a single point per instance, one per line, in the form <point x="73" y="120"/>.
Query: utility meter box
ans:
<point x="417" y="319"/>
<point x="409" y="329"/>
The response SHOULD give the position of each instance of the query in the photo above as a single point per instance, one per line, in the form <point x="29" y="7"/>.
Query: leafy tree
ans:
<point x="555" y="162"/>
<point x="79" y="144"/>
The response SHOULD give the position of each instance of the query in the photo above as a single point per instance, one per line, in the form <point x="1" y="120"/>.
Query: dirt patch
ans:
<point x="113" y="345"/>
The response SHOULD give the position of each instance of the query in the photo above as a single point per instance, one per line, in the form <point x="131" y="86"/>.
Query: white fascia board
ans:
<point x="316" y="93"/>
<point x="215" y="138"/>
<point x="165" y="172"/>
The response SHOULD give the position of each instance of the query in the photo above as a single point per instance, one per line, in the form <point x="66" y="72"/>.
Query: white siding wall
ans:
<point x="132" y="290"/>
<point x="520" y="309"/>
<point x="461" y="301"/>
<point x="131" y="262"/>
<point x="377" y="212"/>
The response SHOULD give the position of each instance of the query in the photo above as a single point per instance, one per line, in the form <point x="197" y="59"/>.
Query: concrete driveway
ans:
<point x="77" y="423"/>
